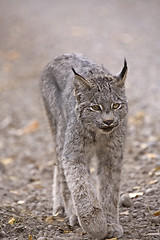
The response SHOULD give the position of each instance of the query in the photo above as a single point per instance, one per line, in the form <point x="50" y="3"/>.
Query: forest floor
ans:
<point x="33" y="33"/>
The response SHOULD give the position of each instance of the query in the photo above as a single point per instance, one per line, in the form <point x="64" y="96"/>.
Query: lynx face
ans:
<point x="107" y="116"/>
<point x="105" y="111"/>
<point x="101" y="101"/>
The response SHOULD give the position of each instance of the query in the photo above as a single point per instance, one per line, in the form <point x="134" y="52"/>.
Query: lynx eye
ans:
<point x="116" y="105"/>
<point x="95" y="108"/>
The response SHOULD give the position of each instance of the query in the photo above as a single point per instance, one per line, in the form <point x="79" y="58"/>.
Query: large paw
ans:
<point x="114" y="230"/>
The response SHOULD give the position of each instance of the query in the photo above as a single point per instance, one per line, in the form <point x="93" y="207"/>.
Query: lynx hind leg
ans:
<point x="67" y="200"/>
<point x="58" y="205"/>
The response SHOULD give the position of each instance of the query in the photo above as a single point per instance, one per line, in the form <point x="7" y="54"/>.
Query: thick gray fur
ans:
<point x="87" y="110"/>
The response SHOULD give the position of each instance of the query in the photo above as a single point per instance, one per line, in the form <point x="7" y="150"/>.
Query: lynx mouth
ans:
<point x="107" y="129"/>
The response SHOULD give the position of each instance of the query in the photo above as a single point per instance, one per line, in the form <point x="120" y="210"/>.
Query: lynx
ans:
<point x="87" y="111"/>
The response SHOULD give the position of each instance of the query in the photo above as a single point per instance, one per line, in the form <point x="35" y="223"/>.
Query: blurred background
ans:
<point x="34" y="32"/>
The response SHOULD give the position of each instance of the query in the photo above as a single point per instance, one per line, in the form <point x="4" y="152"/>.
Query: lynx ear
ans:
<point x="81" y="81"/>
<point x="120" y="79"/>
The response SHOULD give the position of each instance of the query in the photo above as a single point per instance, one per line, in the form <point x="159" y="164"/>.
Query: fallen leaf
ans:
<point x="50" y="163"/>
<point x="30" y="237"/>
<point x="11" y="220"/>
<point x="157" y="168"/>
<point x="13" y="55"/>
<point x="60" y="219"/>
<point x="92" y="170"/>
<point x="149" y="210"/>
<point x="21" y="202"/>
<point x="155" y="171"/>
<point x="13" y="178"/>
<point x="49" y="219"/>
<point x="124" y="213"/>
<point x="154" y="234"/>
<point x="6" y="161"/>
<point x="37" y="182"/>
<point x="31" y="127"/>
<point x="137" y="188"/>
<point x="151" y="155"/>
<point x="111" y="238"/>
<point x="135" y="194"/>
<point x="153" y="182"/>
<point x="156" y="213"/>
<point x="38" y="186"/>
<point x="153" y="138"/>
<point x="143" y="146"/>
<point x="66" y="231"/>
<point x="138" y="118"/>
<point x="14" y="192"/>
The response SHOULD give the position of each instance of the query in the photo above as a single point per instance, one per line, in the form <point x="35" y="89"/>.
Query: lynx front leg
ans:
<point x="109" y="178"/>
<point x="90" y="212"/>
<point x="88" y="209"/>
<point x="67" y="200"/>
<point x="62" y="202"/>
<point x="108" y="189"/>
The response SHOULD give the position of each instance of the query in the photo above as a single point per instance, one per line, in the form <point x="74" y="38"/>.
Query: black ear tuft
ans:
<point x="120" y="79"/>
<point x="74" y="71"/>
<point x="124" y="70"/>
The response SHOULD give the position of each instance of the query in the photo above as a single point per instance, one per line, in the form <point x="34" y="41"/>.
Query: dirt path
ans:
<point x="34" y="32"/>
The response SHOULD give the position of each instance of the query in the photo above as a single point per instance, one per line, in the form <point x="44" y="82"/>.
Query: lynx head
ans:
<point x="100" y="97"/>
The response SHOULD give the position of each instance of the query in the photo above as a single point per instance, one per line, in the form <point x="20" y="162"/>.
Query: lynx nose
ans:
<point x="108" y="122"/>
